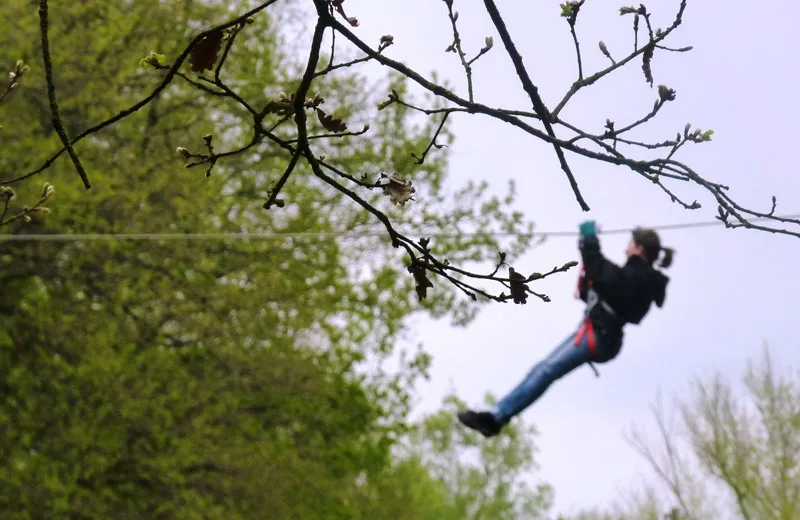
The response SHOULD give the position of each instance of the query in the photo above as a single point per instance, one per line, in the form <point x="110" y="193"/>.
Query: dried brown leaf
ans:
<point x="204" y="54"/>
<point x="421" y="279"/>
<point x="330" y="123"/>
<point x="609" y="128"/>
<point x="647" y="57"/>
<point x="399" y="190"/>
<point x="518" y="287"/>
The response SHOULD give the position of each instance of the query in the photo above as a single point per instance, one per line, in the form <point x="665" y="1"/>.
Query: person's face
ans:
<point x="634" y="249"/>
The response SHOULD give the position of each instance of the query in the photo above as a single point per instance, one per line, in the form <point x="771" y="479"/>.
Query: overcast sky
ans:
<point x="731" y="290"/>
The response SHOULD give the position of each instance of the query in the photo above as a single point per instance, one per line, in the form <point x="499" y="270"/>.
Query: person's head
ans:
<point x="647" y="244"/>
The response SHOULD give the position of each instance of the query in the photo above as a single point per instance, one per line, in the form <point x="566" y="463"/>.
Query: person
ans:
<point x="614" y="295"/>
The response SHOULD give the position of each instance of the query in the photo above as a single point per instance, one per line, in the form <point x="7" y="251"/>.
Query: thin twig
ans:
<point x="456" y="46"/>
<point x="235" y="32"/>
<point x="299" y="111"/>
<point x="577" y="51"/>
<point x="333" y="48"/>
<point x="201" y="86"/>
<point x="650" y="115"/>
<point x="329" y="136"/>
<point x="572" y="20"/>
<point x="646" y="168"/>
<point x="681" y="49"/>
<point x="533" y="93"/>
<point x="36" y="208"/>
<point x="147" y="99"/>
<point x="432" y="143"/>
<point x="520" y="113"/>
<point x="578" y="85"/>
<point x="649" y="146"/>
<point x="5" y="209"/>
<point x="8" y="88"/>
<point x="292" y="150"/>
<point x="51" y="93"/>
<point x="331" y="68"/>
<point x="273" y="195"/>
<point x="614" y="134"/>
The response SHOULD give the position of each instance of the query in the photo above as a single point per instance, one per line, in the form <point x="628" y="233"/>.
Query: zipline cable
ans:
<point x="78" y="237"/>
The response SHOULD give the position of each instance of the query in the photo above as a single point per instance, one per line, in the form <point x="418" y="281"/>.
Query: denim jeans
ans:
<point x="561" y="361"/>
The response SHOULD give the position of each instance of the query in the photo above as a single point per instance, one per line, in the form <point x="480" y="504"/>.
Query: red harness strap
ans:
<point x="587" y="328"/>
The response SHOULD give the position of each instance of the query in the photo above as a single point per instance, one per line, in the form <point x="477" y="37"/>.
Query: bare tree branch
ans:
<point x="51" y="92"/>
<point x="533" y="93"/>
<point x="150" y="97"/>
<point x="590" y="80"/>
<point x="283" y="124"/>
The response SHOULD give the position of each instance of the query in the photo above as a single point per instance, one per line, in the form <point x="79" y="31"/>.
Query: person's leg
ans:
<point x="565" y="358"/>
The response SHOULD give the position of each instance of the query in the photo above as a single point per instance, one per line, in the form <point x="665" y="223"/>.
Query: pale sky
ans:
<point x="731" y="290"/>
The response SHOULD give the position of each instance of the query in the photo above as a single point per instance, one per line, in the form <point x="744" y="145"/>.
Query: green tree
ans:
<point x="728" y="455"/>
<point x="747" y="446"/>
<point x="642" y="504"/>
<point x="402" y="490"/>
<point x="202" y="379"/>
<point x="482" y="478"/>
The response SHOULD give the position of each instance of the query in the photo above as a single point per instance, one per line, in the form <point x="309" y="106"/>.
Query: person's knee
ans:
<point x="556" y="368"/>
<point x="548" y="370"/>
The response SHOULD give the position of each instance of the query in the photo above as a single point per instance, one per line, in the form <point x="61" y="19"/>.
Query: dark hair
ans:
<point x="651" y="243"/>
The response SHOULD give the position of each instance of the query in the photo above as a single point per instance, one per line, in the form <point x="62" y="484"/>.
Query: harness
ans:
<point x="587" y="327"/>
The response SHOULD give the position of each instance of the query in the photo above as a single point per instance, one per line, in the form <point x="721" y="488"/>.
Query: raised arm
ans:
<point x="606" y="276"/>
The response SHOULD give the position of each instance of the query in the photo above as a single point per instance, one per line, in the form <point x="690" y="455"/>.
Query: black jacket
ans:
<point x="629" y="290"/>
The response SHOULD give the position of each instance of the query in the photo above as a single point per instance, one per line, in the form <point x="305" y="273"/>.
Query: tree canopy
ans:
<point x="726" y="451"/>
<point x="175" y="378"/>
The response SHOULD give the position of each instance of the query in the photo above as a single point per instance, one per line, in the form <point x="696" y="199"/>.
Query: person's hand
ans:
<point x="588" y="229"/>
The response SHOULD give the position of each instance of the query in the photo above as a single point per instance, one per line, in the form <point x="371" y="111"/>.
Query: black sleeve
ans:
<point x="606" y="276"/>
<point x="582" y="289"/>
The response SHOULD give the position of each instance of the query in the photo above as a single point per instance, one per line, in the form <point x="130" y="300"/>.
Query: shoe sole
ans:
<point x="474" y="426"/>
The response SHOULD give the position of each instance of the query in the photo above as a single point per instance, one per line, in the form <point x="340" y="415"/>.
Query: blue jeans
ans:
<point x="561" y="361"/>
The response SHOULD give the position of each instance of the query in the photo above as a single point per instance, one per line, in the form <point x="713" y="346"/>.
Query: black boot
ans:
<point x="483" y="422"/>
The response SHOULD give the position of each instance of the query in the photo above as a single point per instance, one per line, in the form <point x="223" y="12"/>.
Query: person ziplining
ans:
<point x="614" y="295"/>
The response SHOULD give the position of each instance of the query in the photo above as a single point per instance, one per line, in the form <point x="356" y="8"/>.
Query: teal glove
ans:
<point x="587" y="229"/>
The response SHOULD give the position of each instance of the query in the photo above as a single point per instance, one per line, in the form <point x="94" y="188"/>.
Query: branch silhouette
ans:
<point x="210" y="50"/>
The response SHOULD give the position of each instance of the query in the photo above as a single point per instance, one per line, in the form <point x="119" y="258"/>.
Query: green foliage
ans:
<point x="404" y="490"/>
<point x="751" y="446"/>
<point x="193" y="433"/>
<point x="208" y="379"/>
<point x="483" y="478"/>
<point x="728" y="456"/>
<point x="645" y="505"/>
